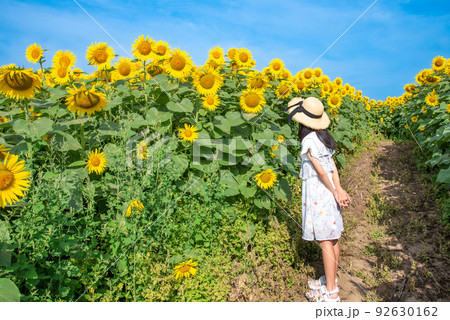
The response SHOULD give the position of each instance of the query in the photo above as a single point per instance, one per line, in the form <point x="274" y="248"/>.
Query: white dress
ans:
<point x="321" y="214"/>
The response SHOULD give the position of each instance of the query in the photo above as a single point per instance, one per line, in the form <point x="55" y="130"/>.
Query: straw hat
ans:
<point x="309" y="112"/>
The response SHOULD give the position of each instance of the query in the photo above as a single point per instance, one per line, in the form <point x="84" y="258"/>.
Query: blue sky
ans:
<point x="382" y="52"/>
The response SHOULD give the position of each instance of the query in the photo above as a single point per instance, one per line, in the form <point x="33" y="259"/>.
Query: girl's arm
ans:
<point x="335" y="176"/>
<point x="322" y="175"/>
<point x="343" y="196"/>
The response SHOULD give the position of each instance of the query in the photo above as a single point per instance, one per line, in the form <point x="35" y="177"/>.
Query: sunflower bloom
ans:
<point x="135" y="204"/>
<point x="141" y="150"/>
<point x="414" y="119"/>
<point x="422" y="128"/>
<point x="12" y="179"/>
<point x="243" y="58"/>
<point x="284" y="89"/>
<point x="257" y="81"/>
<point x="60" y="74"/>
<point x="439" y="63"/>
<point x="100" y="55"/>
<point x="18" y="83"/>
<point x="266" y="179"/>
<point x="216" y="55"/>
<point x="3" y="153"/>
<point x="406" y="126"/>
<point x="335" y="101"/>
<point x="162" y="50"/>
<point x="84" y="100"/>
<point x="178" y="64"/>
<point x="96" y="161"/>
<point x="252" y="101"/>
<point x="189" y="133"/>
<point x="34" y="53"/>
<point x="431" y="99"/>
<point x="124" y="68"/>
<point x="280" y="138"/>
<point x="211" y="102"/>
<point x="153" y="69"/>
<point x="276" y="66"/>
<point x="207" y="81"/>
<point x="64" y="59"/>
<point x="231" y="53"/>
<point x="185" y="269"/>
<point x="307" y="75"/>
<point x="143" y="48"/>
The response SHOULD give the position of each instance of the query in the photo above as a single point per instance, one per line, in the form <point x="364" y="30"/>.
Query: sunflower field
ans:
<point x="119" y="184"/>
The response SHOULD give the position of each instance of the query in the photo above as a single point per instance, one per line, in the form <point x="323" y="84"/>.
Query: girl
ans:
<point x="322" y="194"/>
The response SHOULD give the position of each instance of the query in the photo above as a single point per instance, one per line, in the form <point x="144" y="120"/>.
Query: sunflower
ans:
<point x="34" y="53"/>
<point x="124" y="68"/>
<point x="448" y="107"/>
<point x="381" y="119"/>
<point x="96" y="161"/>
<point x="162" y="50"/>
<point x="252" y="101"/>
<point x="84" y="100"/>
<point x="338" y="81"/>
<point x="153" y="69"/>
<point x="431" y="99"/>
<point x="257" y="81"/>
<point x="231" y="53"/>
<point x="317" y="72"/>
<point x="216" y="55"/>
<point x="281" y="138"/>
<point x="284" y="89"/>
<point x="323" y="79"/>
<point x="211" y="102"/>
<point x="414" y="119"/>
<point x="100" y="55"/>
<point x="189" y="133"/>
<point x="136" y="204"/>
<point x="406" y="126"/>
<point x="64" y="59"/>
<point x="266" y="179"/>
<point x="60" y="74"/>
<point x="18" y="83"/>
<point x="243" y="58"/>
<point x="144" y="48"/>
<point x="12" y="179"/>
<point x="422" y="128"/>
<point x="307" y="75"/>
<point x="77" y="74"/>
<point x="178" y="64"/>
<point x="141" y="150"/>
<point x="276" y="66"/>
<point x="285" y="74"/>
<point x="3" y="119"/>
<point x="207" y="81"/>
<point x="299" y="85"/>
<point x="335" y="101"/>
<point x="439" y="63"/>
<point x="185" y="269"/>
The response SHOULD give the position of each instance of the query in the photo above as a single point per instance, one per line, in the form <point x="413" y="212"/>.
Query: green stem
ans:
<point x="82" y="140"/>
<point x="145" y="83"/>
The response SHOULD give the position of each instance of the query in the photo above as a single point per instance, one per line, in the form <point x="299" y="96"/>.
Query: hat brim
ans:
<point x="317" y="124"/>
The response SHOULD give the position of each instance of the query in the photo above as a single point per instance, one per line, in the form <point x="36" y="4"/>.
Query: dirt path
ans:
<point x="393" y="248"/>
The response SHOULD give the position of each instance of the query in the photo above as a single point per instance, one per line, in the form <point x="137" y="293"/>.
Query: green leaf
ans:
<point x="234" y="118"/>
<point x="177" y="166"/>
<point x="341" y="159"/>
<point x="5" y="253"/>
<point x="8" y="291"/>
<point x="184" y="106"/>
<point x="65" y="142"/>
<point x="444" y="176"/>
<point x="264" y="202"/>
<point x="282" y="190"/>
<point x="80" y="163"/>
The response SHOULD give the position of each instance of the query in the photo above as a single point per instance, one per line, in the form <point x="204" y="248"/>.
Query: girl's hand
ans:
<point x="343" y="196"/>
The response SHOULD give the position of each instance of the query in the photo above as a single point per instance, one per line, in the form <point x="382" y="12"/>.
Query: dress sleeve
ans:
<point x="309" y="144"/>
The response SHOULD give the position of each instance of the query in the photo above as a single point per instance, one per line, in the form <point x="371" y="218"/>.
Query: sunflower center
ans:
<point x="64" y="61"/>
<point x="210" y="100"/>
<point x="144" y="48"/>
<point x="265" y="177"/>
<point x="308" y="75"/>
<point x="207" y="81"/>
<point x="161" y="50"/>
<point x="62" y="72"/>
<point x="439" y="63"/>
<point x="234" y="66"/>
<point x="188" y="133"/>
<point x="6" y="179"/>
<point x="154" y="70"/>
<point x="35" y="54"/>
<point x="257" y="83"/>
<point x="432" y="99"/>
<point x="100" y="56"/>
<point x="243" y="57"/>
<point x="334" y="100"/>
<point x="284" y="89"/>
<point x="276" y="66"/>
<point x="300" y="85"/>
<point x="18" y="81"/>
<point x="252" y="100"/>
<point x="124" y="69"/>
<point x="95" y="161"/>
<point x="177" y="63"/>
<point x="216" y="55"/>
<point x="86" y="100"/>
<point x="185" y="268"/>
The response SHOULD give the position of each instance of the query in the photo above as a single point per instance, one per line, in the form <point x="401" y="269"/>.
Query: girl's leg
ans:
<point x="336" y="254"/>
<point x="329" y="263"/>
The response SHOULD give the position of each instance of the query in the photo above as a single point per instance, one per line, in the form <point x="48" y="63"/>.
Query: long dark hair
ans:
<point x="322" y="134"/>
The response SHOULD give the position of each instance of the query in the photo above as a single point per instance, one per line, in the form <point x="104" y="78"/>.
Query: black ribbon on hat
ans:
<point x="300" y="108"/>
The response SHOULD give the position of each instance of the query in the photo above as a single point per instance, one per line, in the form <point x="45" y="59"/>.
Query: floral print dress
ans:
<point x="321" y="214"/>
